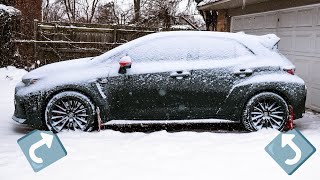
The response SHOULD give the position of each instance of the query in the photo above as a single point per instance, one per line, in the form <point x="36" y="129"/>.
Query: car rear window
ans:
<point x="220" y="49"/>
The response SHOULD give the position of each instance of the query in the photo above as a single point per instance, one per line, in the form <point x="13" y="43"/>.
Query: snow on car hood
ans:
<point x="63" y="73"/>
<point x="57" y="68"/>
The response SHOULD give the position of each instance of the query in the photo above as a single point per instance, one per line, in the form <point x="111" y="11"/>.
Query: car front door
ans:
<point x="157" y="86"/>
<point x="157" y="95"/>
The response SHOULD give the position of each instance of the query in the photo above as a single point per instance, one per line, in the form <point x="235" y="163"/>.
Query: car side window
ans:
<point x="220" y="48"/>
<point x="162" y="49"/>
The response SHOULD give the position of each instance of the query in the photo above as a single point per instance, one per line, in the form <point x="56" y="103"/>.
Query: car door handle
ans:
<point x="243" y="72"/>
<point x="180" y="74"/>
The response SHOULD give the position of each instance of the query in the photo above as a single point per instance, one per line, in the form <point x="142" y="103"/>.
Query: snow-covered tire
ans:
<point x="265" y="110"/>
<point x="70" y="110"/>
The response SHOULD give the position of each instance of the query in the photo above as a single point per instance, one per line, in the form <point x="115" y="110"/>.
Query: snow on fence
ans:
<point x="57" y="41"/>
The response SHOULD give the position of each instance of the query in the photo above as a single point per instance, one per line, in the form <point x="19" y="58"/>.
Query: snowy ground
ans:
<point x="202" y="152"/>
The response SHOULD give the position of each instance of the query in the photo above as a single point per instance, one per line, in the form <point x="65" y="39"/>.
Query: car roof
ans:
<point x="268" y="41"/>
<point x="260" y="45"/>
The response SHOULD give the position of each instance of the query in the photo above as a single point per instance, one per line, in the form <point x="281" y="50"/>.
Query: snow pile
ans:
<point x="206" y="153"/>
<point x="184" y="27"/>
<point x="9" y="9"/>
<point x="11" y="73"/>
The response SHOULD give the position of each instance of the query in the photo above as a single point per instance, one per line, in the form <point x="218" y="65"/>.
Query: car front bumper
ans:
<point x="18" y="120"/>
<point x="28" y="108"/>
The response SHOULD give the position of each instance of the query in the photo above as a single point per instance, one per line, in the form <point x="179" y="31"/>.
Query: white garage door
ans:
<point x="299" y="30"/>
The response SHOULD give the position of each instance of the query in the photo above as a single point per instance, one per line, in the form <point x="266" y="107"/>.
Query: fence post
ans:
<point x="35" y="37"/>
<point x="115" y="34"/>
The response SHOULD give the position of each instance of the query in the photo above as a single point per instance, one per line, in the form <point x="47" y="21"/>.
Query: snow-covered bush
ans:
<point x="8" y="18"/>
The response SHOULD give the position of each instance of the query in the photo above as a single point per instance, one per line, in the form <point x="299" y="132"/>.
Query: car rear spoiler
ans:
<point x="269" y="41"/>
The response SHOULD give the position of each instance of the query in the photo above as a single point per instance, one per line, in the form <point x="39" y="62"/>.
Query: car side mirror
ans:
<point x="125" y="63"/>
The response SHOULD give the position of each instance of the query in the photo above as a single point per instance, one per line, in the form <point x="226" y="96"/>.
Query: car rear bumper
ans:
<point x="298" y="102"/>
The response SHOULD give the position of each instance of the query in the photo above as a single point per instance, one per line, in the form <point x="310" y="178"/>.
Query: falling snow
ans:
<point x="195" y="153"/>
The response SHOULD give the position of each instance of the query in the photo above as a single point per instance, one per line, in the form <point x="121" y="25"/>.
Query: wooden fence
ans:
<point x="57" y="41"/>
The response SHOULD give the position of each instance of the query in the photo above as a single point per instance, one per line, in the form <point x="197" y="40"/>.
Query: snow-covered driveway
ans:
<point x="201" y="154"/>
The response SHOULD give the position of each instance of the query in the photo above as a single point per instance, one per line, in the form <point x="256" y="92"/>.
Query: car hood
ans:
<point x="58" y="68"/>
<point x="72" y="72"/>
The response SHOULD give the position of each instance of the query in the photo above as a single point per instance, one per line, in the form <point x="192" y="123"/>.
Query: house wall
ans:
<point x="224" y="21"/>
<point x="217" y="20"/>
<point x="224" y="16"/>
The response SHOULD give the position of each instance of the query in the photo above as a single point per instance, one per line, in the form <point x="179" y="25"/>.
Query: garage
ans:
<point x="299" y="30"/>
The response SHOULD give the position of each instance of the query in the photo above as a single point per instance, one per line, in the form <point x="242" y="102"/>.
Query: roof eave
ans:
<point x="211" y="4"/>
<point x="228" y="4"/>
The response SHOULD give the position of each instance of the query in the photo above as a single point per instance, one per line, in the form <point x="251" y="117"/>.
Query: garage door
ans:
<point x="299" y="30"/>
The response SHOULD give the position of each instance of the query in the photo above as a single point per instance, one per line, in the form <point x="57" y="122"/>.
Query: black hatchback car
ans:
<point x="167" y="77"/>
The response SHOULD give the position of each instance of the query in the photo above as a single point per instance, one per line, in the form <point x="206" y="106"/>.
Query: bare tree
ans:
<point x="137" y="7"/>
<point x="155" y="13"/>
<point x="106" y="14"/>
<point x="52" y="11"/>
<point x="159" y="13"/>
<point x="70" y="9"/>
<point x="90" y="7"/>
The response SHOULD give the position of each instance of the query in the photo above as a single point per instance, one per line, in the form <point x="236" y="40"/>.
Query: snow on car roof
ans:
<point x="258" y="44"/>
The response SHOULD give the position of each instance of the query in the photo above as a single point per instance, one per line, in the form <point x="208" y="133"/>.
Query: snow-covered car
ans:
<point x="167" y="77"/>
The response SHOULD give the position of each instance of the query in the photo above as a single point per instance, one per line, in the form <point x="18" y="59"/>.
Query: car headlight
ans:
<point x="28" y="82"/>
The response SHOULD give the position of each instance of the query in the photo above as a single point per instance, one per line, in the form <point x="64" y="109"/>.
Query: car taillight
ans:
<point x="290" y="71"/>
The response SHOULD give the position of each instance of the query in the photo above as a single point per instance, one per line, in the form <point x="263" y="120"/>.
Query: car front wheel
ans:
<point x="265" y="110"/>
<point x="69" y="110"/>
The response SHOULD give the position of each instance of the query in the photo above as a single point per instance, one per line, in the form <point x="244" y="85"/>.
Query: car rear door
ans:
<point x="215" y="74"/>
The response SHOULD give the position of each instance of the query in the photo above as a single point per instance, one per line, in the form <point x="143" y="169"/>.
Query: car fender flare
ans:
<point x="89" y="90"/>
<point x="240" y="95"/>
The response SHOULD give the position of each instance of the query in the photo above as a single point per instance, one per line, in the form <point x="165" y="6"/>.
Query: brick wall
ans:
<point x="30" y="10"/>
<point x="223" y="22"/>
<point x="217" y="20"/>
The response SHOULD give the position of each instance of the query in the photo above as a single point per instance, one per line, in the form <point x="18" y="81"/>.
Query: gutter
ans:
<point x="208" y="5"/>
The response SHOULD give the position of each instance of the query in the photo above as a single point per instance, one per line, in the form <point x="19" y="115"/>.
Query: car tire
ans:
<point x="70" y="110"/>
<point x="265" y="110"/>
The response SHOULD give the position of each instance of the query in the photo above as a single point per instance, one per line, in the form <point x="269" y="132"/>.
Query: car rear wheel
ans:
<point x="70" y="110"/>
<point x="265" y="110"/>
